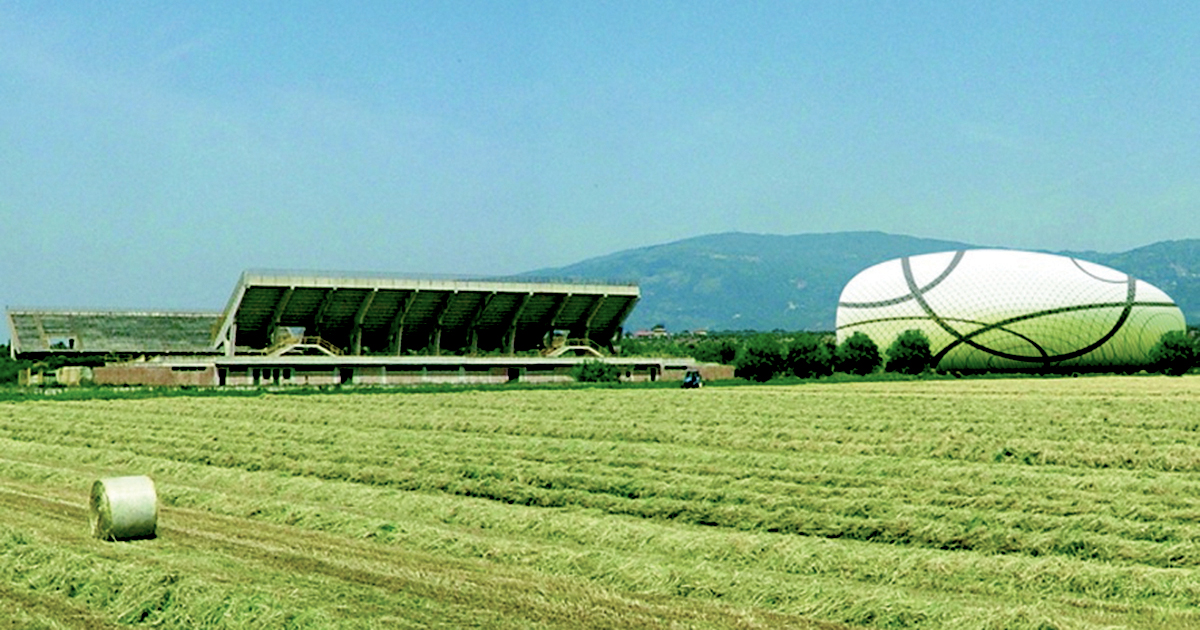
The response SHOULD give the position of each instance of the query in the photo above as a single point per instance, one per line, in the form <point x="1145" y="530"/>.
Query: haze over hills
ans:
<point x="738" y="281"/>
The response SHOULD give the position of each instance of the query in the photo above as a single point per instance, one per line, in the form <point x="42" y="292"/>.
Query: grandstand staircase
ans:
<point x="572" y="347"/>
<point x="290" y="345"/>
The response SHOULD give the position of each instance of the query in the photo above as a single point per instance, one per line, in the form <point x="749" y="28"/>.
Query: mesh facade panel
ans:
<point x="1007" y="309"/>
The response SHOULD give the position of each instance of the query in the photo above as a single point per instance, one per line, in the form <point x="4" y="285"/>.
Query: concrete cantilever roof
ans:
<point x="389" y="315"/>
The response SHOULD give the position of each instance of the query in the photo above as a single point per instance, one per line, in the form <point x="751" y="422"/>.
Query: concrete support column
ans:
<point x="625" y="311"/>
<point x="356" y="333"/>
<point x="474" y="327"/>
<point x="319" y="319"/>
<point x="585" y="331"/>
<point x="511" y="334"/>
<point x="548" y="323"/>
<point x="439" y="323"/>
<point x="397" y="332"/>
<point x="277" y="316"/>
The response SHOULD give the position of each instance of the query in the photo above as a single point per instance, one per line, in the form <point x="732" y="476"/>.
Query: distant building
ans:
<point x="658" y="332"/>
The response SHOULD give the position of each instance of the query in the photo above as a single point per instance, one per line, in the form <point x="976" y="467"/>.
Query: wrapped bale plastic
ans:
<point x="124" y="508"/>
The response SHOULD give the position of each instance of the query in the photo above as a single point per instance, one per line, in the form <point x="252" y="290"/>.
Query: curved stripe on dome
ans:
<point x="958" y="256"/>
<point x="1080" y="266"/>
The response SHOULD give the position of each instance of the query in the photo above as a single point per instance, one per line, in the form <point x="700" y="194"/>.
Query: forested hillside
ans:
<point x="739" y="281"/>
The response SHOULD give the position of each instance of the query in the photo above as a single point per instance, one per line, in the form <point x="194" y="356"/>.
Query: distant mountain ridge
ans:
<point x="740" y="281"/>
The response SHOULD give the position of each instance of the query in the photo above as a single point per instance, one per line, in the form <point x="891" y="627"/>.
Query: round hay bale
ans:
<point x="124" y="508"/>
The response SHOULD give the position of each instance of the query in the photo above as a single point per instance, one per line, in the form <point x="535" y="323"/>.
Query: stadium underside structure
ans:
<point x="283" y="328"/>
<point x="397" y="316"/>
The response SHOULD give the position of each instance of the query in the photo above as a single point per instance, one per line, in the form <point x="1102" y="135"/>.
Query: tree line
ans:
<point x="764" y="356"/>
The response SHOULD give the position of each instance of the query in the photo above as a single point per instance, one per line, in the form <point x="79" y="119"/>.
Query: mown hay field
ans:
<point x="1007" y="503"/>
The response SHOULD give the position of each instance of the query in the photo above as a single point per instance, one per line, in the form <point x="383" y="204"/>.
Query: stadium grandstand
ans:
<point x="290" y="328"/>
<point x="394" y="315"/>
<point x="38" y="333"/>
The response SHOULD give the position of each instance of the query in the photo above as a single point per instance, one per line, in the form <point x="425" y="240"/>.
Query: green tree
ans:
<point x="909" y="353"/>
<point x="760" y="359"/>
<point x="9" y="369"/>
<point x="1174" y="354"/>
<point x="722" y="351"/>
<point x="809" y="356"/>
<point x="653" y="347"/>
<point x="857" y="355"/>
<point x="596" y="372"/>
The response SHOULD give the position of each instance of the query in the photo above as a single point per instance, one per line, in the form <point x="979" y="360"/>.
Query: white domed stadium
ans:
<point x="1006" y="309"/>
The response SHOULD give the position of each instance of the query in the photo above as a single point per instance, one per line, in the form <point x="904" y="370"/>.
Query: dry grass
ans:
<point x="1025" y="503"/>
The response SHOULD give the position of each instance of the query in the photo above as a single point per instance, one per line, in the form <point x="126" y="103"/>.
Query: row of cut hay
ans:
<point x="787" y="573"/>
<point x="1029" y="436"/>
<point x="885" y="508"/>
<point x="1056" y="507"/>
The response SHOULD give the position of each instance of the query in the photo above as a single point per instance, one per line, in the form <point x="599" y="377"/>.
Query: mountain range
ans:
<point x="739" y="281"/>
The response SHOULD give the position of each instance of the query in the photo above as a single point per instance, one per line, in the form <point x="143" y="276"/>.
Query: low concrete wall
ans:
<point x="280" y="372"/>
<point x="155" y="375"/>
<point x="715" y="371"/>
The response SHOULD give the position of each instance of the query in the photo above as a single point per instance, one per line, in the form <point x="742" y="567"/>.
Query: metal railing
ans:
<point x="561" y="345"/>
<point x="289" y="342"/>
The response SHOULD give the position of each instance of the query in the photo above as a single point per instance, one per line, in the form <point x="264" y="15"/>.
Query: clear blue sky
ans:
<point x="151" y="151"/>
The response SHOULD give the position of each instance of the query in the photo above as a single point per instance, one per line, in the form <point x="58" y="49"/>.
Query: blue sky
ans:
<point x="150" y="151"/>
